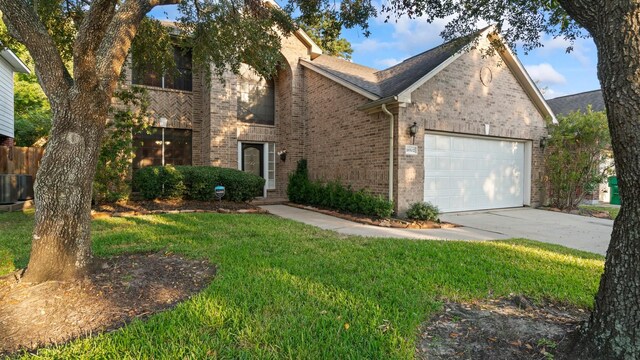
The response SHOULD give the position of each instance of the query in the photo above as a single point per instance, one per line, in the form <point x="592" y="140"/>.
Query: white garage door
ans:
<point x="463" y="173"/>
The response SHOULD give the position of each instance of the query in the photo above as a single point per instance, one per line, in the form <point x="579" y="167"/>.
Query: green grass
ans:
<point x="613" y="211"/>
<point x="286" y="290"/>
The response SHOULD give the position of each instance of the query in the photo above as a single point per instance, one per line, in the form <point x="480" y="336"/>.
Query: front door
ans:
<point x="253" y="160"/>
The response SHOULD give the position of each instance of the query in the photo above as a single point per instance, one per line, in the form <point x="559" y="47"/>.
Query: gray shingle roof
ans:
<point x="394" y="80"/>
<point x="577" y="102"/>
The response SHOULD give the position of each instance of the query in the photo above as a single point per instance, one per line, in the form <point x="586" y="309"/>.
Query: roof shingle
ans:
<point x="392" y="81"/>
<point x="564" y="105"/>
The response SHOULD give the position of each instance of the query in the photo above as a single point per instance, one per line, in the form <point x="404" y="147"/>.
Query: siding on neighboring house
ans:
<point x="6" y="99"/>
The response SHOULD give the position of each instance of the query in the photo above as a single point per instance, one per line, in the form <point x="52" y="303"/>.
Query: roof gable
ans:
<point x="398" y="82"/>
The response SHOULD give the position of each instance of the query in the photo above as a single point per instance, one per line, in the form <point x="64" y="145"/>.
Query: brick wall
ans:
<point x="342" y="142"/>
<point x="456" y="101"/>
<point x="220" y="130"/>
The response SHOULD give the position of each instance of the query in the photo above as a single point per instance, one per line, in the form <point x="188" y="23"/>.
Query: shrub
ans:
<point x="577" y="147"/>
<point x="239" y="186"/>
<point x="196" y="183"/>
<point x="425" y="211"/>
<point x="159" y="182"/>
<point x="334" y="195"/>
<point x="112" y="181"/>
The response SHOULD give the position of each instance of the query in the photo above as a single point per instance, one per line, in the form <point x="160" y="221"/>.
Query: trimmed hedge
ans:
<point x="196" y="183"/>
<point x="334" y="195"/>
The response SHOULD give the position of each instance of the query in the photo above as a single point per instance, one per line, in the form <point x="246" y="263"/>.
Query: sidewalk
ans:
<point x="347" y="227"/>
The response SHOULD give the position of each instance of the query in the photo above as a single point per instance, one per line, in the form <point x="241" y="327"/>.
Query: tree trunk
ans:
<point x="61" y="247"/>
<point x="613" y="331"/>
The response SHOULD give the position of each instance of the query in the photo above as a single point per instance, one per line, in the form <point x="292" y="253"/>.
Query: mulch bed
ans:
<point x="121" y="289"/>
<point x="583" y="212"/>
<point x="392" y="222"/>
<point x="506" y="329"/>
<point x="146" y="207"/>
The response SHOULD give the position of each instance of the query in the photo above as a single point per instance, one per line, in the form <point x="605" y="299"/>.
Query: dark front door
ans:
<point x="253" y="159"/>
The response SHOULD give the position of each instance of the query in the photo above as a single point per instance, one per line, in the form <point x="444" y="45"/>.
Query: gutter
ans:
<point x="391" y="121"/>
<point x="376" y="103"/>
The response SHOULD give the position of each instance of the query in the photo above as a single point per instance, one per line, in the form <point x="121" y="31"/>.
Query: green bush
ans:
<point x="239" y="186"/>
<point x="423" y="211"/>
<point x="159" y="182"/>
<point x="577" y="148"/>
<point x="196" y="183"/>
<point x="334" y="195"/>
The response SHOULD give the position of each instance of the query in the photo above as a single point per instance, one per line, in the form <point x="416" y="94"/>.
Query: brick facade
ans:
<point x="344" y="143"/>
<point x="456" y="101"/>
<point x="318" y="119"/>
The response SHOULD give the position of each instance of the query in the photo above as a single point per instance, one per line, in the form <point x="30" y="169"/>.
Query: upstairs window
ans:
<point x="179" y="78"/>
<point x="256" y="98"/>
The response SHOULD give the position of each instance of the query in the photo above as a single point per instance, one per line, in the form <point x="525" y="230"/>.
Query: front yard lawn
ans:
<point x="288" y="290"/>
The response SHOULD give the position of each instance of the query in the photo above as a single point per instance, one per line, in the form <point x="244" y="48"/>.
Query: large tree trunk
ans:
<point x="61" y="248"/>
<point x="613" y="331"/>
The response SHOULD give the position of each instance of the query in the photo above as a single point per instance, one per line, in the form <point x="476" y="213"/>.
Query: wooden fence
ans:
<point x="20" y="160"/>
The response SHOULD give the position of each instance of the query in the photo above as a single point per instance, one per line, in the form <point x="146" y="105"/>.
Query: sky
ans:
<point x="556" y="72"/>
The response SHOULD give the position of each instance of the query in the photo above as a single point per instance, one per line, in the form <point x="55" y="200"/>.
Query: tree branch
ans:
<point x="113" y="50"/>
<point x="585" y="12"/>
<point x="90" y="35"/>
<point x="24" y="24"/>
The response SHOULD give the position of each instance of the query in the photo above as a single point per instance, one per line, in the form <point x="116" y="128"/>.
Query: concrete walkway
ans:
<point x="352" y="228"/>
<point x="578" y="232"/>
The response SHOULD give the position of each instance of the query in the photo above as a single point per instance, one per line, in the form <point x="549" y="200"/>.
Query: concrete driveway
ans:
<point x="578" y="232"/>
<point x="574" y="231"/>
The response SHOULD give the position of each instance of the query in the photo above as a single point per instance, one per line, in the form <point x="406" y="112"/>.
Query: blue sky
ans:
<point x="556" y="72"/>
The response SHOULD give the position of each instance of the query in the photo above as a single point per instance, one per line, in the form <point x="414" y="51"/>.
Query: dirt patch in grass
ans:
<point x="506" y="329"/>
<point x="144" y="207"/>
<point x="392" y="222"/>
<point x="121" y="289"/>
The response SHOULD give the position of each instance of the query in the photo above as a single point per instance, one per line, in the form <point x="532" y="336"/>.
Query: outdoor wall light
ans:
<point x="283" y="154"/>
<point x="413" y="130"/>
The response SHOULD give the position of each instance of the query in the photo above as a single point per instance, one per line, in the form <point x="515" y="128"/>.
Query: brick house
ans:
<point x="450" y="125"/>
<point x="9" y="63"/>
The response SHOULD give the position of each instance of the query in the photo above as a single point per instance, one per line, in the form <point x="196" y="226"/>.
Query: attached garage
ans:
<point x="476" y="173"/>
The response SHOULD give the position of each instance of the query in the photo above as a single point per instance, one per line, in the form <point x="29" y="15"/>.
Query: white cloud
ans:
<point x="545" y="74"/>
<point x="371" y="45"/>
<point x="388" y="62"/>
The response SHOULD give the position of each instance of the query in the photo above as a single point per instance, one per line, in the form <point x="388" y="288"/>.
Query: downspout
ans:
<point x="384" y="109"/>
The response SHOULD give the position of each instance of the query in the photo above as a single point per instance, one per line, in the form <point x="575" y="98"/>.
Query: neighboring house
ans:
<point x="9" y="63"/>
<point x="478" y="124"/>
<point x="563" y="105"/>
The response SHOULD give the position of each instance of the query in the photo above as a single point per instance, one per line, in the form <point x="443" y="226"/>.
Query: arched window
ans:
<point x="256" y="98"/>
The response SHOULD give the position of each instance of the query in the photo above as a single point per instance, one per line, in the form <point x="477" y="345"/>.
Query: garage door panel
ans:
<point x="472" y="173"/>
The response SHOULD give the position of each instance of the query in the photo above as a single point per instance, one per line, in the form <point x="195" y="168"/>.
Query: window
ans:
<point x="179" y="78"/>
<point x="177" y="148"/>
<point x="256" y="99"/>
<point x="271" y="170"/>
